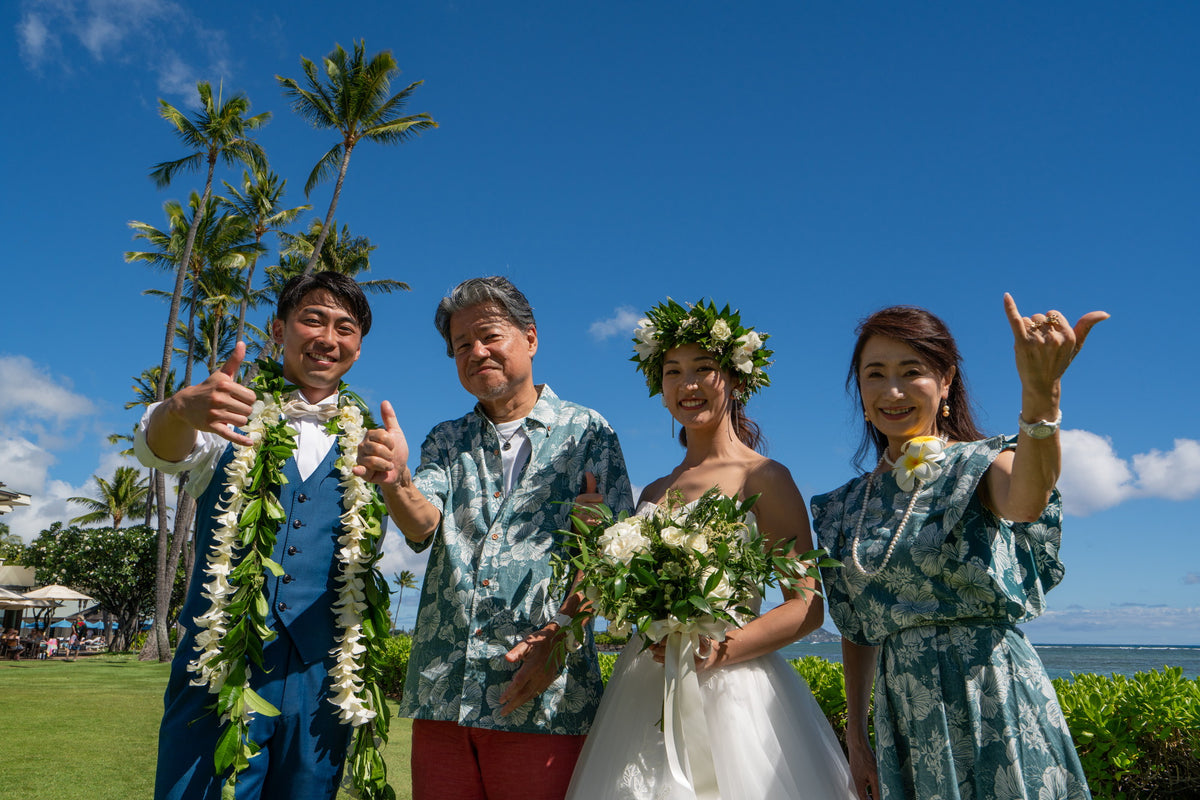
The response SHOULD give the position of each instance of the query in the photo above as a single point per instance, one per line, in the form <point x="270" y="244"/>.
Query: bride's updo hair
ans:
<point x="929" y="336"/>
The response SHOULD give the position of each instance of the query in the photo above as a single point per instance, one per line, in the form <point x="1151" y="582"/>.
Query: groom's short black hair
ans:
<point x="345" y="291"/>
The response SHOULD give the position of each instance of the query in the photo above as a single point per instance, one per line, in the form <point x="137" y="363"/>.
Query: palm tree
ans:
<point x="343" y="253"/>
<point x="258" y="201"/>
<point x="405" y="579"/>
<point x="351" y="97"/>
<point x="217" y="132"/>
<point x="125" y="495"/>
<point x="221" y="249"/>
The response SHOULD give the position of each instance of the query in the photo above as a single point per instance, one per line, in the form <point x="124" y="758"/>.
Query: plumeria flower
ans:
<point x="920" y="460"/>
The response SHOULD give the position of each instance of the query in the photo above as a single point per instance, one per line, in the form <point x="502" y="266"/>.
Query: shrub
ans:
<point x="607" y="662"/>
<point x="1137" y="737"/>
<point x="394" y="666"/>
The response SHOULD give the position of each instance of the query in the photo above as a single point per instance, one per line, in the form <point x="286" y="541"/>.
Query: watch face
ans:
<point x="1042" y="431"/>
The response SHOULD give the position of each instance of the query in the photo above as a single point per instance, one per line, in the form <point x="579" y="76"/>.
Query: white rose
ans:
<point x="622" y="541"/>
<point x="722" y="591"/>
<point x="696" y="541"/>
<point x="720" y="330"/>
<point x="673" y="536"/>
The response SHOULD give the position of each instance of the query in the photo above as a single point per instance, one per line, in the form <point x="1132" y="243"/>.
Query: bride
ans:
<point x="767" y="736"/>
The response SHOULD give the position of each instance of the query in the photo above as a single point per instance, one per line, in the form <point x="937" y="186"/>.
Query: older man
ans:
<point x="496" y="713"/>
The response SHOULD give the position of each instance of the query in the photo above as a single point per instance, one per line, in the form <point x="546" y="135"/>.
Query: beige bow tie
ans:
<point x="295" y="408"/>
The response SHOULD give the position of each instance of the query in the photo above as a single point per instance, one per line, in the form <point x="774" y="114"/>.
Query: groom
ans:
<point x="319" y="325"/>
<point x="494" y="716"/>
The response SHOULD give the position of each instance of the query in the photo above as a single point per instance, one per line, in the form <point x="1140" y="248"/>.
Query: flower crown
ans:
<point x="739" y="351"/>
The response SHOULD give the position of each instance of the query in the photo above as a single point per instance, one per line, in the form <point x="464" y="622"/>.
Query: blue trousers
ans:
<point x="303" y="749"/>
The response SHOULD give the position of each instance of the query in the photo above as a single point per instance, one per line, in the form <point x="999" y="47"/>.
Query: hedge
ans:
<point x="1138" y="738"/>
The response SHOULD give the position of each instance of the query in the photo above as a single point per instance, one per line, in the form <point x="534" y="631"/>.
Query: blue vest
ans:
<point x="301" y="599"/>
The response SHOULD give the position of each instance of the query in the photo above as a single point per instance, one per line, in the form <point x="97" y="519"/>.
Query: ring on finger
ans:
<point x="1052" y="319"/>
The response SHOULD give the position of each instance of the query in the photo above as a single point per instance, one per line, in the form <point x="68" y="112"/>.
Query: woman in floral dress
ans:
<point x="946" y="544"/>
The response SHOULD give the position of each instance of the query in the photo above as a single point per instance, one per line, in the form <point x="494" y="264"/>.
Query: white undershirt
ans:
<point x="517" y="455"/>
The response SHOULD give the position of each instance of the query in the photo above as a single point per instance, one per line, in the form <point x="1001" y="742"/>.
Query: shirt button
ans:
<point x="496" y="494"/>
<point x="287" y="578"/>
<point x="495" y="536"/>
<point x="479" y="631"/>
<point x="292" y="550"/>
<point x="296" y="523"/>
<point x="283" y="606"/>
<point x="486" y="582"/>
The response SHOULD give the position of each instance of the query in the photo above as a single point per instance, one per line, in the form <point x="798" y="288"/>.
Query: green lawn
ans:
<point x="88" y="730"/>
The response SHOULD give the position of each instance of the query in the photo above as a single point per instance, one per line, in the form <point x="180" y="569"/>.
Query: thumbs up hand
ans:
<point x="219" y="404"/>
<point x="383" y="454"/>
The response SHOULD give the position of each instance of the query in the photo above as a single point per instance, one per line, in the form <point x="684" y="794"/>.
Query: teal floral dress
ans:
<point x="963" y="706"/>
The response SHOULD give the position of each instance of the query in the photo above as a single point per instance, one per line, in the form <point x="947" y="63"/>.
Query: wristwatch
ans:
<point x="1042" y="428"/>
<point x="562" y="620"/>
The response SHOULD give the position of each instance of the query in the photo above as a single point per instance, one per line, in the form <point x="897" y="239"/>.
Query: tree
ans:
<point x="217" y="132"/>
<point x="12" y="549"/>
<point x="405" y="579"/>
<point x="125" y="495"/>
<point x="113" y="565"/>
<point x="342" y="253"/>
<point x="258" y="201"/>
<point x="351" y="97"/>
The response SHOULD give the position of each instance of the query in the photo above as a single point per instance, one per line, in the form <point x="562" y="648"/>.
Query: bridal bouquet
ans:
<point x="694" y="567"/>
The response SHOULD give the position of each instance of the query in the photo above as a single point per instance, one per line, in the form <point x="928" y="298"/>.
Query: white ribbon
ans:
<point x="685" y="730"/>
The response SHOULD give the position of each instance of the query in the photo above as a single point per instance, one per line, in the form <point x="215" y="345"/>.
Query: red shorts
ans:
<point x="452" y="762"/>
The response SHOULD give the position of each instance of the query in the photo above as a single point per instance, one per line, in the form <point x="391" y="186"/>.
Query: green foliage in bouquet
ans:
<point x="685" y="562"/>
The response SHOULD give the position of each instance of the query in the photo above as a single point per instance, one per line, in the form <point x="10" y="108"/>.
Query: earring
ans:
<point x="866" y="418"/>
<point x="945" y="409"/>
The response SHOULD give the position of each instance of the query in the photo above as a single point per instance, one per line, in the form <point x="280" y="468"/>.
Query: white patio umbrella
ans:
<point x="57" y="591"/>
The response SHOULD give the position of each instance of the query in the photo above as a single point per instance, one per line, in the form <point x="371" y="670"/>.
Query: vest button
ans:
<point x="296" y="523"/>
<point x="302" y="498"/>
<point x="283" y="606"/>
<point x="291" y="551"/>
<point x="287" y="578"/>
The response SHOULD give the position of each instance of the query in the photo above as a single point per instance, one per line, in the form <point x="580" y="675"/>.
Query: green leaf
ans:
<point x="259" y="705"/>
<point x="273" y="566"/>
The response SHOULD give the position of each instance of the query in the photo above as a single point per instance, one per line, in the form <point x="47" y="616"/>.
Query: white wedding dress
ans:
<point x="768" y="736"/>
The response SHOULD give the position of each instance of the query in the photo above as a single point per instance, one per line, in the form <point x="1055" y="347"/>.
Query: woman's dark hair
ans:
<point x="345" y="290"/>
<point x="494" y="290"/>
<point x="929" y="336"/>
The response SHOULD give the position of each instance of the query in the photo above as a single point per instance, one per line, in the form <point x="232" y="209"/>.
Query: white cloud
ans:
<point x="623" y="321"/>
<point x="28" y="390"/>
<point x="1119" y="624"/>
<point x="1094" y="477"/>
<point x="1192" y="578"/>
<point x="148" y="34"/>
<point x="34" y="39"/>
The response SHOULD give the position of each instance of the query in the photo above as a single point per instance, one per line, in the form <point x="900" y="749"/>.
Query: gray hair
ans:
<point x="493" y="290"/>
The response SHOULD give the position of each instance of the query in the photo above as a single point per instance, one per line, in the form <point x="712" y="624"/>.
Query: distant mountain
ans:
<point x="821" y="636"/>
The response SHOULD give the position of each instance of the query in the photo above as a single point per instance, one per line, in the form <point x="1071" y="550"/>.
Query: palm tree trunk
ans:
<point x="151" y="651"/>
<point x="337" y="192"/>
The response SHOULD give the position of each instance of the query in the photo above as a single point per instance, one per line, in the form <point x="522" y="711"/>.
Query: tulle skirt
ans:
<point x="769" y="739"/>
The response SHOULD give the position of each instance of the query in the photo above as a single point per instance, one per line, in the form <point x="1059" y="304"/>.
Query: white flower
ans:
<point x="919" y="461"/>
<point x="620" y="630"/>
<point x="646" y="336"/>
<point x="673" y="536"/>
<point x="743" y="356"/>
<point x="720" y="330"/>
<point x="622" y="541"/>
<point x="696" y="541"/>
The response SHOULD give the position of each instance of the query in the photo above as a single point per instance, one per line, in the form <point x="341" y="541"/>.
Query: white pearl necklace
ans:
<point x="891" y="548"/>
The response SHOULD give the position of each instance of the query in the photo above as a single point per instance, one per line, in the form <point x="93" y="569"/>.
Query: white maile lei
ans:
<point x="353" y="557"/>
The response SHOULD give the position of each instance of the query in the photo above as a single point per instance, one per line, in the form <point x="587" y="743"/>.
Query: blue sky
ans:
<point x="807" y="163"/>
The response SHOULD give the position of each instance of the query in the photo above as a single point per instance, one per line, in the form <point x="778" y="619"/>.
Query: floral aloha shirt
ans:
<point x="487" y="584"/>
<point x="963" y="707"/>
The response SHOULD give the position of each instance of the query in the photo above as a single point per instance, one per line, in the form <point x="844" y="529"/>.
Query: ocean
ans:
<point x="1061" y="660"/>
